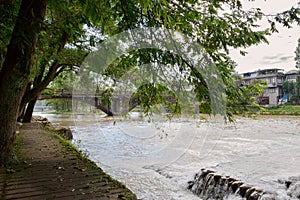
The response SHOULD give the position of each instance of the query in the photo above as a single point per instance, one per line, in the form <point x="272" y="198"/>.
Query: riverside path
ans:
<point x="50" y="169"/>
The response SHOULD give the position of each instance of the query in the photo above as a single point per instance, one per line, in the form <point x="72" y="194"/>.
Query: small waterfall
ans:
<point x="292" y="186"/>
<point x="209" y="185"/>
<point x="294" y="190"/>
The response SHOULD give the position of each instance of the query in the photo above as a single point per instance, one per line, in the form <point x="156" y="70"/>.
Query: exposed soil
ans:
<point x="51" y="169"/>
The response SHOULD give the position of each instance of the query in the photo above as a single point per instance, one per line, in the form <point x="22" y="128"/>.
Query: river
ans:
<point x="156" y="160"/>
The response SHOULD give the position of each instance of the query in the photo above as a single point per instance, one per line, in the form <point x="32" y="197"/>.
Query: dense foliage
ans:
<point x="292" y="90"/>
<point x="297" y="56"/>
<point x="41" y="39"/>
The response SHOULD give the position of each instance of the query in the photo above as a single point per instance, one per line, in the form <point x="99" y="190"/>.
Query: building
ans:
<point x="274" y="79"/>
<point x="292" y="75"/>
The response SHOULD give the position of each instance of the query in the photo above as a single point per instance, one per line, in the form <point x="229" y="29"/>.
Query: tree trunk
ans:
<point x="22" y="108"/>
<point x="39" y="84"/>
<point x="29" y="110"/>
<point x="21" y="114"/>
<point x="15" y="71"/>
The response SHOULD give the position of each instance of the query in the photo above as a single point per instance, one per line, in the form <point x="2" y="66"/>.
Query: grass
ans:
<point x="69" y="146"/>
<point x="9" y="170"/>
<point x="104" y="177"/>
<point x="71" y="112"/>
<point x="65" y="112"/>
<point x="15" y="153"/>
<point x="282" y="110"/>
<point x="17" y="145"/>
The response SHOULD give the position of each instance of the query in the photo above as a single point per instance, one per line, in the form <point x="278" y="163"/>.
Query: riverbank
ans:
<point x="285" y="109"/>
<point x="281" y="110"/>
<point x="262" y="152"/>
<point x="48" y="167"/>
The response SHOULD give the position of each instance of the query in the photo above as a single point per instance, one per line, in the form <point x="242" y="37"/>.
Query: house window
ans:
<point x="269" y="80"/>
<point x="274" y="80"/>
<point x="272" y="90"/>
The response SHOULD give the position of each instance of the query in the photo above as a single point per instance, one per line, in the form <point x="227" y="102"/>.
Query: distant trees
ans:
<point x="63" y="83"/>
<point x="297" y="56"/>
<point x="290" y="88"/>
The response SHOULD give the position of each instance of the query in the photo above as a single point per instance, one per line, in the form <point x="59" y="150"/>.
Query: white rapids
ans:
<point x="157" y="161"/>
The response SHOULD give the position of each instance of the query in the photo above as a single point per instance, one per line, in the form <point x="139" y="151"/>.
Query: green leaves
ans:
<point x="287" y="18"/>
<point x="292" y="90"/>
<point x="297" y="56"/>
<point x="73" y="28"/>
<point x="8" y="14"/>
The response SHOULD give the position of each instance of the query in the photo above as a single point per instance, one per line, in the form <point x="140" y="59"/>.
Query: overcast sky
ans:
<point x="279" y="53"/>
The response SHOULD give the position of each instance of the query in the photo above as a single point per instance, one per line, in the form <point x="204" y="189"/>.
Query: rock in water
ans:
<point x="64" y="132"/>
<point x="209" y="185"/>
<point x="40" y="119"/>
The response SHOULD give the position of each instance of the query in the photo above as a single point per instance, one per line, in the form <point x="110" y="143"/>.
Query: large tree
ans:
<point x="207" y="22"/>
<point x="16" y="68"/>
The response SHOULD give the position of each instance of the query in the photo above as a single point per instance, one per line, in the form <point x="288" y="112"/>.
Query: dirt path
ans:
<point x="50" y="169"/>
